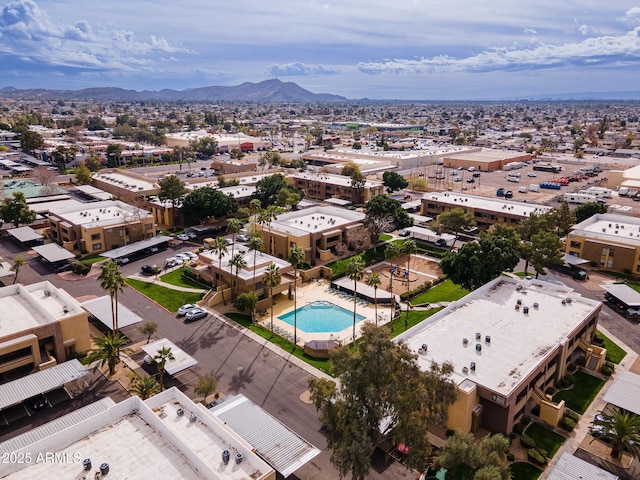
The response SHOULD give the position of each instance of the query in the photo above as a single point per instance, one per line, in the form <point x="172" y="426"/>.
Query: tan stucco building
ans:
<point x="100" y="226"/>
<point x="41" y="327"/>
<point x="324" y="185"/>
<point x="507" y="342"/>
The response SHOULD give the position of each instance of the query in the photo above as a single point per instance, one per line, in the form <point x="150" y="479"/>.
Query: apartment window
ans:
<point x="575" y="244"/>
<point x="95" y="236"/>
<point x="97" y="246"/>
<point x="292" y="244"/>
<point x="148" y="226"/>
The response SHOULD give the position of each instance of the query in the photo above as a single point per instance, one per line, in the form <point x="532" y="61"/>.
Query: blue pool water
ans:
<point x="321" y="317"/>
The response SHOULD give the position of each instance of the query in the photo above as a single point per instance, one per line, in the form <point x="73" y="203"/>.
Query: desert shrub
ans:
<point x="567" y="424"/>
<point x="550" y="391"/>
<point x="572" y="367"/>
<point x="80" y="268"/>
<point x="527" y="442"/>
<point x="571" y="414"/>
<point x="534" y="456"/>
<point x="566" y="382"/>
<point x="518" y="428"/>
<point x="511" y="457"/>
<point x="536" y="410"/>
<point x="606" y="370"/>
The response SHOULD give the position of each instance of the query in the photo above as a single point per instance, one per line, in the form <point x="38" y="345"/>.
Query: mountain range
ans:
<point x="266" y="91"/>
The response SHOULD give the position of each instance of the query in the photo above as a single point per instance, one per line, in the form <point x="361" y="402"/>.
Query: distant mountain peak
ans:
<point x="272" y="90"/>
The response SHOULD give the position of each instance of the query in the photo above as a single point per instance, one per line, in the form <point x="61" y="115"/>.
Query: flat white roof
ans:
<point x="623" y="292"/>
<point x="138" y="439"/>
<point x="101" y="309"/>
<point x="52" y="252"/>
<point x="263" y="260"/>
<point x="181" y="361"/>
<point x="624" y="392"/>
<point x="100" y="214"/>
<point x="29" y="306"/>
<point x="94" y="192"/>
<point x="127" y="182"/>
<point x="486" y="155"/>
<point x="607" y="227"/>
<point x="499" y="206"/>
<point x="25" y="234"/>
<point x="340" y="180"/>
<point x="519" y="341"/>
<point x="315" y="219"/>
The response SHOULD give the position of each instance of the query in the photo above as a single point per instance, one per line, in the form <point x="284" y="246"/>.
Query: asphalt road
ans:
<point x="267" y="378"/>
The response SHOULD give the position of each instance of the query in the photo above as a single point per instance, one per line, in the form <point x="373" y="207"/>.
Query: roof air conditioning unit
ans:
<point x="104" y="469"/>
<point x="478" y="347"/>
<point x="472" y="366"/>
<point x="86" y="464"/>
<point x="192" y="417"/>
<point x="225" y="456"/>
<point x="239" y="458"/>
<point x="564" y="302"/>
<point x="423" y="348"/>
<point x="180" y="412"/>
<point x="535" y="305"/>
<point x="568" y="299"/>
<point x="465" y="342"/>
<point x="487" y="338"/>
<point x="47" y="293"/>
<point x="65" y="309"/>
<point x="525" y="310"/>
<point x="478" y="336"/>
<point x="519" y="301"/>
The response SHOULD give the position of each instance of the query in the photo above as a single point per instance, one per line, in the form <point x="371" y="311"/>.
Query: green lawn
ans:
<point x="615" y="354"/>
<point x="384" y="237"/>
<point x="585" y="389"/>
<point x="92" y="258"/>
<point x="545" y="438"/>
<point x="175" y="278"/>
<point x="446" y="291"/>
<point x="524" y="471"/>
<point x="245" y="321"/>
<point x="167" y="297"/>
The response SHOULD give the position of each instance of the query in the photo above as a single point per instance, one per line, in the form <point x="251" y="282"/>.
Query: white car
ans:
<point x="242" y="237"/>
<point x="190" y="255"/>
<point x="182" y="236"/>
<point x="531" y="174"/>
<point x="182" y="257"/>
<point x="195" y="314"/>
<point x="184" y="309"/>
<point x="172" y="262"/>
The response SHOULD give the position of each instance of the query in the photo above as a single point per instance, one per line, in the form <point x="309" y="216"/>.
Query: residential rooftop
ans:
<point x="128" y="182"/>
<point x="340" y="180"/>
<point x="497" y="205"/>
<point x="517" y="341"/>
<point x="315" y="219"/>
<point x="263" y="260"/>
<point x="137" y="439"/>
<point x="99" y="214"/>
<point x="608" y="227"/>
<point x="23" y="307"/>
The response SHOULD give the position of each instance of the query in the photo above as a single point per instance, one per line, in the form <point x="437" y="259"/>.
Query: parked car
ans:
<point x="192" y="236"/>
<point x="182" y="257"/>
<point x="508" y="194"/>
<point x="149" y="269"/>
<point x="190" y="255"/>
<point x="184" y="309"/>
<point x="182" y="236"/>
<point x="470" y="180"/>
<point x="633" y="312"/>
<point x="242" y="237"/>
<point x="121" y="260"/>
<point x="404" y="233"/>
<point x="457" y="179"/>
<point x="531" y="174"/>
<point x="172" y="262"/>
<point x="195" y="314"/>
<point x="229" y="241"/>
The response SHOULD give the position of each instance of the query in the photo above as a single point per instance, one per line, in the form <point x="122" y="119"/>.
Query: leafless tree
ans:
<point x="44" y="176"/>
<point x="357" y="238"/>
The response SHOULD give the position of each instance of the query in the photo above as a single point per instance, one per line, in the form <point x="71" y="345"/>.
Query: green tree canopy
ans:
<point x="546" y="250"/>
<point x="30" y="141"/>
<point x="588" y="210"/>
<point x="114" y="155"/>
<point x="288" y="196"/>
<point x="83" y="175"/>
<point x="380" y="384"/>
<point x="205" y="146"/>
<point x="384" y="206"/>
<point x="207" y="202"/>
<point x="394" y="181"/>
<point x="466" y="457"/>
<point x="350" y="168"/>
<point x="172" y="189"/>
<point x="15" y="210"/>
<point x="93" y="162"/>
<point x="268" y="188"/>
<point x="622" y="430"/>
<point x="454" y="221"/>
<point x="108" y="350"/>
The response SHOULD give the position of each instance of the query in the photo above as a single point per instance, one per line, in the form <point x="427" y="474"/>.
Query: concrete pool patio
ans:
<point x="318" y="290"/>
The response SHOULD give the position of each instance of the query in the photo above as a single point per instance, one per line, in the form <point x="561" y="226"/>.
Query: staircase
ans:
<point x="538" y="396"/>
<point x="592" y="364"/>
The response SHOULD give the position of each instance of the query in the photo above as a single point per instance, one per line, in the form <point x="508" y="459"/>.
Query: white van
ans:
<point x="513" y="179"/>
<point x="472" y="169"/>
<point x="522" y="189"/>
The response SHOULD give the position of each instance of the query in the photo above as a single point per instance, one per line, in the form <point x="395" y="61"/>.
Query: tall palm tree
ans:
<point x="622" y="430"/>
<point x="162" y="357"/>
<point x="254" y="208"/>
<point x="391" y="253"/>
<point x="18" y="262"/>
<point x="111" y="280"/>
<point x="272" y="278"/>
<point x="233" y="227"/>
<point x="355" y="270"/>
<point x="374" y="281"/>
<point x="296" y="257"/>
<point x="109" y="349"/>
<point x="408" y="248"/>
<point x="269" y="214"/>
<point x="146" y="387"/>
<point x="221" y="248"/>
<point x="237" y="262"/>
<point x="255" y="243"/>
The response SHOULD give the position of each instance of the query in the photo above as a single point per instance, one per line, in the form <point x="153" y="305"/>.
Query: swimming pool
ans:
<point x="322" y="317"/>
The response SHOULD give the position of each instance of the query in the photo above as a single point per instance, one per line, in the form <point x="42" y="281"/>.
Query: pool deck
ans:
<point x="316" y="291"/>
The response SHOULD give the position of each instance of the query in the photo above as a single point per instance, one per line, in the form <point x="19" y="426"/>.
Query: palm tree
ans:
<point x="355" y="270"/>
<point x="148" y="329"/>
<point x="296" y="256"/>
<point x="146" y="387"/>
<point x="207" y="384"/>
<point x="221" y="248"/>
<point x="111" y="279"/>
<point x="409" y="247"/>
<point x="391" y="253"/>
<point x="267" y="216"/>
<point x="622" y="430"/>
<point x="17" y="263"/>
<point x="272" y="278"/>
<point x="255" y="243"/>
<point x="237" y="262"/>
<point x="162" y="357"/>
<point x="254" y="208"/>
<point x="233" y="227"/>
<point x="374" y="281"/>
<point x="109" y="349"/>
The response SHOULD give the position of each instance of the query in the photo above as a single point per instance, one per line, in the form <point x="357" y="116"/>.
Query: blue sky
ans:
<point x="379" y="49"/>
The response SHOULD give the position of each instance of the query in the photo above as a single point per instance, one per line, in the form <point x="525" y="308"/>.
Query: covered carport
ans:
<point x="21" y="397"/>
<point x="26" y="236"/>
<point x="53" y="254"/>
<point x="274" y="442"/>
<point x="622" y="294"/>
<point x="100" y="308"/>
<point x="138" y="248"/>
<point x="181" y="359"/>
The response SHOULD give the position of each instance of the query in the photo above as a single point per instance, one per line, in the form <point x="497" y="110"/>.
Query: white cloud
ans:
<point x="299" y="69"/>
<point x="530" y="30"/>
<point x="584" y="30"/>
